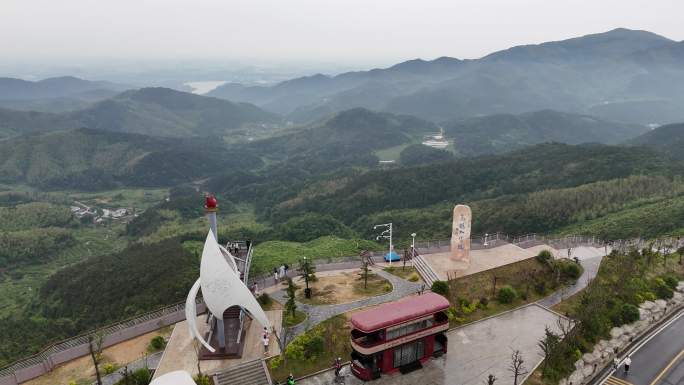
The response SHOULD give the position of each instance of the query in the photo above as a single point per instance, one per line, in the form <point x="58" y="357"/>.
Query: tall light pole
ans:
<point x="413" y="244"/>
<point x="387" y="234"/>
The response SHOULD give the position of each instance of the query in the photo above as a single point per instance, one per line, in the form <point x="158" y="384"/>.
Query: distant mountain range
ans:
<point x="58" y="94"/>
<point x="667" y="139"/>
<point x="149" y="111"/>
<point x="505" y="132"/>
<point x="87" y="159"/>
<point x="635" y="69"/>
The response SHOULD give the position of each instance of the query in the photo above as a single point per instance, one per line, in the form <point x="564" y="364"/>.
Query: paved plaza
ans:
<point x="475" y="351"/>
<point x="480" y="260"/>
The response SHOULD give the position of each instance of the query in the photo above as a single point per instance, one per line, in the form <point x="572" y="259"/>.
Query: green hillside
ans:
<point x="151" y="111"/>
<point x="533" y="169"/>
<point x="506" y="132"/>
<point x="668" y="139"/>
<point x="89" y="159"/>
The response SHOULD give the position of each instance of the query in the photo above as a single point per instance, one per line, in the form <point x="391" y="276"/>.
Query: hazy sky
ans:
<point x="361" y="32"/>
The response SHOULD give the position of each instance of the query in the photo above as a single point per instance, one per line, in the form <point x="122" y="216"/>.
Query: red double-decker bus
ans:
<point x="399" y="335"/>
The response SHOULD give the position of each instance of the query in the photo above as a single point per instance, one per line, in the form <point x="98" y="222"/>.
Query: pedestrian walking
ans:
<point x="265" y="340"/>
<point x="275" y="275"/>
<point x="628" y="362"/>
<point x="281" y="271"/>
<point x="290" y="380"/>
<point x="338" y="366"/>
<point x="616" y="364"/>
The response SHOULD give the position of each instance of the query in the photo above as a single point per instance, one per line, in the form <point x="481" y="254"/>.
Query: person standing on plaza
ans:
<point x="265" y="340"/>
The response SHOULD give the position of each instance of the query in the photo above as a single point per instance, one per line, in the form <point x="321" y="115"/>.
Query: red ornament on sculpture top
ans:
<point x="211" y="203"/>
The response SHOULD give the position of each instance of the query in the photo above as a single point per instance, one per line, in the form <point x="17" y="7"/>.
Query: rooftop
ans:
<point x="397" y="312"/>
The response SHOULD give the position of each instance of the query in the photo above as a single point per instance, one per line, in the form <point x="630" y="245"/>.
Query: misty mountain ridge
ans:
<point x="668" y="139"/>
<point x="64" y="86"/>
<point x="575" y="75"/>
<point x="152" y="111"/>
<point x="501" y="133"/>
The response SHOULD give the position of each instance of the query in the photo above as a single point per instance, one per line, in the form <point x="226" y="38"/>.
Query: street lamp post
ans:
<point x="413" y="244"/>
<point x="387" y="233"/>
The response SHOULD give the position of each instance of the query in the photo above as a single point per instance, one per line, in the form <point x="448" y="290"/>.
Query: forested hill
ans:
<point x="348" y="138"/>
<point x="668" y="139"/>
<point x="532" y="169"/>
<point x="150" y="111"/>
<point x="166" y="112"/>
<point x="506" y="132"/>
<point x="87" y="159"/>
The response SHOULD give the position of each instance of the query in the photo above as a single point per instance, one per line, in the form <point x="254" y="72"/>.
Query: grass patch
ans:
<point x="289" y="320"/>
<point x="403" y="273"/>
<point x="268" y="255"/>
<point x="474" y="297"/>
<point x="314" y="350"/>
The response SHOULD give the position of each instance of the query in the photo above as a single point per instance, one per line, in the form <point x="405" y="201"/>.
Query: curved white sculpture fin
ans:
<point x="191" y="315"/>
<point x="222" y="287"/>
<point x="231" y="259"/>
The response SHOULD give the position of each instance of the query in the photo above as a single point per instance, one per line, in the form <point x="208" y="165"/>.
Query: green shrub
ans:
<point x="648" y="296"/>
<point x="108" y="368"/>
<point x="413" y="277"/>
<point x="506" y="295"/>
<point x="571" y="270"/>
<point x="544" y="256"/>
<point x="662" y="290"/>
<point x="440" y="287"/>
<point x="142" y="376"/>
<point x="671" y="281"/>
<point x="275" y="362"/>
<point x="629" y="313"/>
<point x="387" y="288"/>
<point x="157" y="343"/>
<point x="202" y="379"/>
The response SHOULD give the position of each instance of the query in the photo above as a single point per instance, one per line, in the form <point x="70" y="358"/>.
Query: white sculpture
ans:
<point x="221" y="288"/>
<point x="179" y="377"/>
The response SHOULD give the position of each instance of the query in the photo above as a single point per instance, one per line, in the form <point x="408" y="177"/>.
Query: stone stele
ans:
<point x="460" y="234"/>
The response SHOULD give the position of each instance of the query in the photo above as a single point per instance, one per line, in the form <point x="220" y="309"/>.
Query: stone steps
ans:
<point x="425" y="271"/>
<point x="249" y="373"/>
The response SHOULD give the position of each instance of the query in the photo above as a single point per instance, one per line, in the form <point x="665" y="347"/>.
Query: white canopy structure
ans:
<point x="222" y="288"/>
<point x="179" y="377"/>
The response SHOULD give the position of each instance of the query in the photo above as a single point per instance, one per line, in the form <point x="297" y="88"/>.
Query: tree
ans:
<point x="95" y="348"/>
<point x="291" y="305"/>
<point x="364" y="273"/>
<point x="307" y="271"/>
<point x="517" y="367"/>
<point x="548" y="346"/>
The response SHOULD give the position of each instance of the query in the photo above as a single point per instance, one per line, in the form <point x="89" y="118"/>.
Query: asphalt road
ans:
<point x="660" y="361"/>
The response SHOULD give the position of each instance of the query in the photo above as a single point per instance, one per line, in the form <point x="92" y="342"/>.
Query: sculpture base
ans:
<point x="233" y="349"/>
